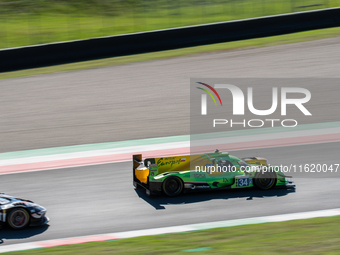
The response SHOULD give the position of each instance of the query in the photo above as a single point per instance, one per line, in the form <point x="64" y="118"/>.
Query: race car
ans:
<point x="209" y="171"/>
<point x="19" y="213"/>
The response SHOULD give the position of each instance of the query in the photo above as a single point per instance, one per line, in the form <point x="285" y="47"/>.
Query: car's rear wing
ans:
<point x="142" y="170"/>
<point x="137" y="164"/>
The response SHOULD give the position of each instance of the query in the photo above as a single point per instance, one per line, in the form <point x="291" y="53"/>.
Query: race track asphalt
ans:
<point x="101" y="199"/>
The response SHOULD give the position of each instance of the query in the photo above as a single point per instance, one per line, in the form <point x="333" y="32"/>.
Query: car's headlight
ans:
<point x="37" y="208"/>
<point x="38" y="212"/>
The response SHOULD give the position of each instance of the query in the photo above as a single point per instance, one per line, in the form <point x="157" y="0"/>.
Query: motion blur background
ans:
<point x="91" y="103"/>
<point x="29" y="22"/>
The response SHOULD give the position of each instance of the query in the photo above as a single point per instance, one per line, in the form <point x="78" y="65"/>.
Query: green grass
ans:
<point x="312" y="236"/>
<point x="28" y="22"/>
<point x="221" y="47"/>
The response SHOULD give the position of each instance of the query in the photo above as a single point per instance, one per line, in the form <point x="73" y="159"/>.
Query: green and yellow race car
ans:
<point x="209" y="171"/>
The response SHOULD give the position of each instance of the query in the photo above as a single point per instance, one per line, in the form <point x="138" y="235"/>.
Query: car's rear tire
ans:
<point x="18" y="218"/>
<point x="265" y="180"/>
<point x="172" y="186"/>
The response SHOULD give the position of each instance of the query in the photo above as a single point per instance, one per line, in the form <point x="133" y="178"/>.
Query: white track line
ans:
<point x="168" y="230"/>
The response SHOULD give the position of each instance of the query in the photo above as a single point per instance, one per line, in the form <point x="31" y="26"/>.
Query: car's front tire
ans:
<point x="265" y="180"/>
<point x="172" y="186"/>
<point x="18" y="218"/>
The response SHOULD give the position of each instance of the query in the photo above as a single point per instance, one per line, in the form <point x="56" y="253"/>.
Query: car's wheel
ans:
<point x="18" y="218"/>
<point x="172" y="186"/>
<point x="265" y="180"/>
